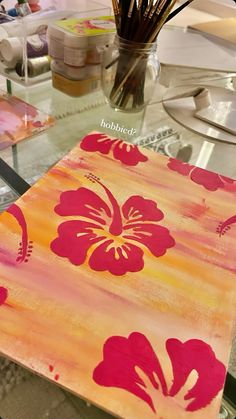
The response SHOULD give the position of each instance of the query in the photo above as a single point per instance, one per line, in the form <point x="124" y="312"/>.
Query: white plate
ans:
<point x="183" y="110"/>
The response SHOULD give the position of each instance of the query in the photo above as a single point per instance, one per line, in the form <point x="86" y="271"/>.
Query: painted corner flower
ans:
<point x="115" y="237"/>
<point x="124" y="357"/>
<point x="209" y="180"/>
<point x="26" y="245"/>
<point x="128" y="154"/>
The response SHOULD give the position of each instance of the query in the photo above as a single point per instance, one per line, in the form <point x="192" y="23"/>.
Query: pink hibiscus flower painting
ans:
<point x="115" y="284"/>
<point x="122" y="357"/>
<point x="116" y="235"/>
<point x="209" y="180"/>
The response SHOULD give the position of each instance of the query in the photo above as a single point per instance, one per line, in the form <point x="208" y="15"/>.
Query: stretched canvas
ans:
<point x="117" y="275"/>
<point x="19" y="120"/>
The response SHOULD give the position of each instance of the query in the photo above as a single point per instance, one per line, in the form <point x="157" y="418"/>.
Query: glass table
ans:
<point x="75" y="117"/>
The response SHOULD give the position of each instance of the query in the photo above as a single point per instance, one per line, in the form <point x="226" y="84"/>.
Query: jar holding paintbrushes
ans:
<point x="129" y="73"/>
<point x="131" y="67"/>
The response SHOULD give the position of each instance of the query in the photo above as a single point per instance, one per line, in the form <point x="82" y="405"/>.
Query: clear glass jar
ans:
<point x="129" y="73"/>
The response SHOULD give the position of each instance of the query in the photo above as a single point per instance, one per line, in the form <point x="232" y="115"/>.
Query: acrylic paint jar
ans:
<point x="55" y="38"/>
<point x="75" y="88"/>
<point x="58" y="66"/>
<point x="75" y="50"/>
<point x="76" y="73"/>
<point x="70" y="72"/>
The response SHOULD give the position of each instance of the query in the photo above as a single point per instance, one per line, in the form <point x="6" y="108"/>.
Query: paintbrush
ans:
<point x="116" y="14"/>
<point x="160" y="7"/>
<point x="141" y="35"/>
<point x="178" y="10"/>
<point x="133" y="21"/>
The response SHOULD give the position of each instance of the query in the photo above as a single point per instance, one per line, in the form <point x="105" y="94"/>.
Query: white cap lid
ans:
<point x="11" y="49"/>
<point x="3" y="34"/>
<point x="75" y="41"/>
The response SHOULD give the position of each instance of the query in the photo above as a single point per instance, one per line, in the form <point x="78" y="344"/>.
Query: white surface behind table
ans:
<point x="187" y="48"/>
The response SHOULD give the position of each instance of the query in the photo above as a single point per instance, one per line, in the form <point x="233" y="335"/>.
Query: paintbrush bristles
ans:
<point x="149" y="6"/>
<point x="160" y="7"/>
<point x="115" y="6"/>
<point x="140" y="4"/>
<point x="138" y="20"/>
<point x="131" y="8"/>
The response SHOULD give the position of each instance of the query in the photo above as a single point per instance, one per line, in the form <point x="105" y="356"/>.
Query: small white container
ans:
<point x="75" y="50"/>
<point x="69" y="72"/>
<point x="55" y="42"/>
<point x="58" y="66"/>
<point x="76" y="73"/>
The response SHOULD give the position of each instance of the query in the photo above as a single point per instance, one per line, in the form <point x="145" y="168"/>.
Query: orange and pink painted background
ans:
<point x="117" y="275"/>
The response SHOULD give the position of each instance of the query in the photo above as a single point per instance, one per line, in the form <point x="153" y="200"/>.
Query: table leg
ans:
<point x="12" y="179"/>
<point x="9" y="87"/>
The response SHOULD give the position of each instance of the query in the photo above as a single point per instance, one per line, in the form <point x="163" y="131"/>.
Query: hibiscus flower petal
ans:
<point x="156" y="238"/>
<point x="118" y="260"/>
<point x="199" y="356"/>
<point x="227" y="179"/>
<point x="128" y="154"/>
<point x="97" y="142"/>
<point x="180" y="167"/>
<point x="120" y="358"/>
<point x="74" y="240"/>
<point x="211" y="181"/>
<point x="83" y="202"/>
<point x="137" y="208"/>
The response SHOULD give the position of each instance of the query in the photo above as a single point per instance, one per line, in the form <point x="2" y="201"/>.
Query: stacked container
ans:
<point x="76" y="47"/>
<point x="23" y="45"/>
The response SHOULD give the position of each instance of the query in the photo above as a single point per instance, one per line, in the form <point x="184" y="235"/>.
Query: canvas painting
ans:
<point x="117" y="280"/>
<point x="19" y="120"/>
